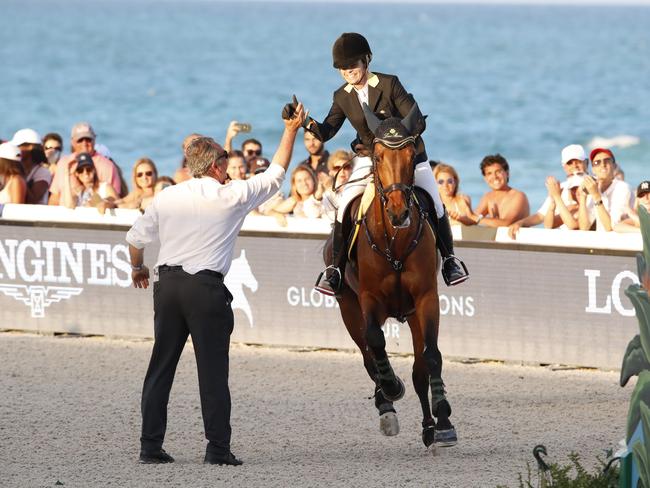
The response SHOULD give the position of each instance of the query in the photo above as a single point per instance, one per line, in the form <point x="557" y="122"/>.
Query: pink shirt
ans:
<point x="106" y="171"/>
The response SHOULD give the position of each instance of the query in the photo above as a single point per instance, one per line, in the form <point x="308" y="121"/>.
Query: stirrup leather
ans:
<point x="460" y="263"/>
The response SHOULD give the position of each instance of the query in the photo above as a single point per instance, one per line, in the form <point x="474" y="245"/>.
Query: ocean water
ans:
<point x="520" y="80"/>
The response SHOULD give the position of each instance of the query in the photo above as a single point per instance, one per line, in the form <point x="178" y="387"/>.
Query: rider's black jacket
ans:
<point x="386" y="98"/>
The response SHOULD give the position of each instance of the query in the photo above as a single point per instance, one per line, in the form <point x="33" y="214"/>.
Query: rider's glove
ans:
<point x="290" y="109"/>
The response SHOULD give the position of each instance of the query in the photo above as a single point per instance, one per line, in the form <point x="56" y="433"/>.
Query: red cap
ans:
<point x="600" y="150"/>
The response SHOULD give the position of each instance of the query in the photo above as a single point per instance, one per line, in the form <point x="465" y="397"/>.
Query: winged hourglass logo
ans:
<point x="38" y="297"/>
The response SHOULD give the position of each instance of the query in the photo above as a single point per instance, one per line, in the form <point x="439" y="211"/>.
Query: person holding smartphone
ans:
<point x="603" y="199"/>
<point x="386" y="97"/>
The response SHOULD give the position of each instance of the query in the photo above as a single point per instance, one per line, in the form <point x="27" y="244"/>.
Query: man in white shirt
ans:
<point x="197" y="223"/>
<point x="574" y="162"/>
<point x="604" y="199"/>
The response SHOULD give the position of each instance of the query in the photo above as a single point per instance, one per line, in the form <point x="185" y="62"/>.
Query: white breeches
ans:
<point x="362" y="166"/>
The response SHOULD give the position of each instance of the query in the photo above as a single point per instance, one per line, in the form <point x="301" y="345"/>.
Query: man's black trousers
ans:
<point x="198" y="305"/>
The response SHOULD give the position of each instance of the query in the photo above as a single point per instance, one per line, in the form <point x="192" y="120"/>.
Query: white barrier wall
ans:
<point x="531" y="303"/>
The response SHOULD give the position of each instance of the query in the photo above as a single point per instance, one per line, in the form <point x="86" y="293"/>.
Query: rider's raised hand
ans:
<point x="297" y="120"/>
<point x="290" y="108"/>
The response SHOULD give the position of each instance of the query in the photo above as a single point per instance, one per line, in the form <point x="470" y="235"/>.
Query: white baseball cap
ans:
<point x="26" y="136"/>
<point x="9" y="151"/>
<point x="573" y="151"/>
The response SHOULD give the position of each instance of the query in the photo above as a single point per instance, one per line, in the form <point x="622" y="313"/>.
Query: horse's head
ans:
<point x="393" y="161"/>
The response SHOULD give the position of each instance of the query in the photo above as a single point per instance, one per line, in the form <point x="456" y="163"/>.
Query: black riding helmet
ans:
<point x="349" y="48"/>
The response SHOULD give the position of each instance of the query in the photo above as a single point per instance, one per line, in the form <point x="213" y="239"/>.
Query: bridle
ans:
<point x="403" y="187"/>
<point x="383" y="192"/>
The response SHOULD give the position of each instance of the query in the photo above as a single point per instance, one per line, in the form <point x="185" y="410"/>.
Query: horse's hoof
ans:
<point x="445" y="438"/>
<point x="429" y="435"/>
<point x="401" y="390"/>
<point x="388" y="424"/>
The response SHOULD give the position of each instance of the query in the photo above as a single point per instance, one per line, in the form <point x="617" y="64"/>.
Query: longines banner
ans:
<point x="524" y="305"/>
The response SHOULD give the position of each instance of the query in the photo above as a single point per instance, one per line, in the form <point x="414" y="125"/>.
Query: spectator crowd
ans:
<point x="592" y="195"/>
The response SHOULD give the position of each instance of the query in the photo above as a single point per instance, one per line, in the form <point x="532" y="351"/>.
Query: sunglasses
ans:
<point x="598" y="162"/>
<point x="53" y="148"/>
<point x="85" y="139"/>
<point x="85" y="169"/>
<point x="253" y="152"/>
<point x="144" y="173"/>
<point x="449" y="181"/>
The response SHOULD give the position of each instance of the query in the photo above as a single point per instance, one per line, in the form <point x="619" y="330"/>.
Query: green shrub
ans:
<point x="572" y="475"/>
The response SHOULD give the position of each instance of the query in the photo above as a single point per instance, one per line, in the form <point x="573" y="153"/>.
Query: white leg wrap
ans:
<point x="425" y="180"/>
<point x="360" y="169"/>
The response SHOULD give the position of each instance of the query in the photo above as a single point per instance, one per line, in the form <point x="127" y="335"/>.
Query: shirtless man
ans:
<point x="502" y="205"/>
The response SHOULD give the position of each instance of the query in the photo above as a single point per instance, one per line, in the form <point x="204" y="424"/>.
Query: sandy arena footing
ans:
<point x="69" y="414"/>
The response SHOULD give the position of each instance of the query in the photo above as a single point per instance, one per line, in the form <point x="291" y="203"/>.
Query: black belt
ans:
<point x="168" y="269"/>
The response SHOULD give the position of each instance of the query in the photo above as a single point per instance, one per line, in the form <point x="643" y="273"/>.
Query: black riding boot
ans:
<point x="453" y="270"/>
<point x="329" y="281"/>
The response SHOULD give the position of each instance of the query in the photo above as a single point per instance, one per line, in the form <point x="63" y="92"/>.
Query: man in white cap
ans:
<point x="82" y="140"/>
<point x="37" y="175"/>
<point x="574" y="162"/>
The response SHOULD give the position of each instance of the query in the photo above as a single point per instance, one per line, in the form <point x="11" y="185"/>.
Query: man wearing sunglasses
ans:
<point x="603" y="199"/>
<point x="189" y="294"/>
<point x="82" y="140"/>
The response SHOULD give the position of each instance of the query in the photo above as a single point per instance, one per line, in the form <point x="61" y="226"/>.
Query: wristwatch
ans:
<point x="138" y="267"/>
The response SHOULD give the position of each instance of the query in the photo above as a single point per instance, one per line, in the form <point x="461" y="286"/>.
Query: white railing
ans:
<point x="536" y="236"/>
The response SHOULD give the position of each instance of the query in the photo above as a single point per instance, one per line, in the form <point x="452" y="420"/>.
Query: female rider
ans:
<point x="385" y="96"/>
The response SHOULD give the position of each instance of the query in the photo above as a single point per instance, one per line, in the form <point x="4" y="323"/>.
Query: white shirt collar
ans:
<point x="373" y="81"/>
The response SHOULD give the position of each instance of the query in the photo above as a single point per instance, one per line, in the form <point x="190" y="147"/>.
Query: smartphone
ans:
<point x="243" y="127"/>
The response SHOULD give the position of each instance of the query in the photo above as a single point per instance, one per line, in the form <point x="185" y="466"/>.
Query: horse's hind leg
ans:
<point x="353" y="319"/>
<point x="429" y="317"/>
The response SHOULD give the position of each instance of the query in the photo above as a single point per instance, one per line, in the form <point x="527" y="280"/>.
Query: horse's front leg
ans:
<point x="374" y="315"/>
<point x="428" y="314"/>
<point x="354" y="322"/>
<point x="421" y="380"/>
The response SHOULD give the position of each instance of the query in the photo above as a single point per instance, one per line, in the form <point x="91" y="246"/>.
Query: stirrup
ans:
<point x="328" y="289"/>
<point x="458" y="280"/>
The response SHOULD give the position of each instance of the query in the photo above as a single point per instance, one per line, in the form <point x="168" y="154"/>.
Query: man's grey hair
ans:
<point x="201" y="153"/>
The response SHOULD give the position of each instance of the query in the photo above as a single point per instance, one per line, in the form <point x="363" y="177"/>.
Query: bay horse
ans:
<point x="392" y="272"/>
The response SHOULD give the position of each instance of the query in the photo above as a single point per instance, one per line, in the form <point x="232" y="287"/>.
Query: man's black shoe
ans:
<point x="155" y="457"/>
<point x="228" y="459"/>
<point x="452" y="272"/>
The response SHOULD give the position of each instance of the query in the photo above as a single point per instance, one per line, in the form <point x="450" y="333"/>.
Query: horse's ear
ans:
<point x="371" y="119"/>
<point x="414" y="121"/>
